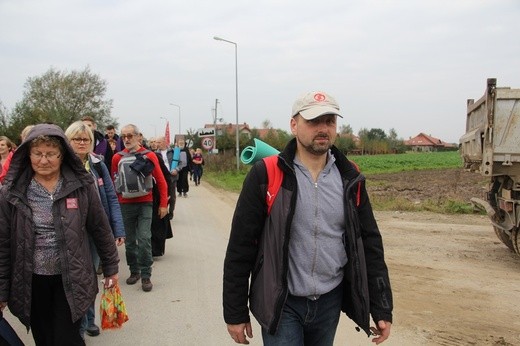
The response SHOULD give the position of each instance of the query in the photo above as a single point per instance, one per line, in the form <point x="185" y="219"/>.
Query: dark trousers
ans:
<point x="197" y="173"/>
<point x="51" y="321"/>
<point x="182" y="184"/>
<point x="137" y="218"/>
<point x="173" y="196"/>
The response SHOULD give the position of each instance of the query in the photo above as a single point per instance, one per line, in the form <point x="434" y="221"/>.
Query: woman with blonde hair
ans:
<point x="81" y="140"/>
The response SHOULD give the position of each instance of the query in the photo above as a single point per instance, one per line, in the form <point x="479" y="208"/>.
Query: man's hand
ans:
<point x="120" y="241"/>
<point x="237" y="332"/>
<point x="174" y="172"/>
<point x="382" y="330"/>
<point x="163" y="212"/>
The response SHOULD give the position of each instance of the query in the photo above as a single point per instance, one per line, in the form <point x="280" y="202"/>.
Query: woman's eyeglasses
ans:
<point x="48" y="156"/>
<point x="81" y="140"/>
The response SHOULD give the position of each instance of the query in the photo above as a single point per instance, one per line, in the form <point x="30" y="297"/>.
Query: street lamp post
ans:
<point x="173" y="104"/>
<point x="236" y="94"/>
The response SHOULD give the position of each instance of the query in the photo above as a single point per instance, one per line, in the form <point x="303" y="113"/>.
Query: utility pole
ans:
<point x="215" y="128"/>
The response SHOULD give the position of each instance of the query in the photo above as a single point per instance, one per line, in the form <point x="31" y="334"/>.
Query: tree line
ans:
<point x="62" y="97"/>
<point x="58" y="97"/>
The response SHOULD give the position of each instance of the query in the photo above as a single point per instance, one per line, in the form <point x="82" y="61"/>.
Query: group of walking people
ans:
<point x="190" y="162"/>
<point x="62" y="218"/>
<point x="304" y="243"/>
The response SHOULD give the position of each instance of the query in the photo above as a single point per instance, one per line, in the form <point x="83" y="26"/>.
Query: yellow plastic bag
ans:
<point x="113" y="310"/>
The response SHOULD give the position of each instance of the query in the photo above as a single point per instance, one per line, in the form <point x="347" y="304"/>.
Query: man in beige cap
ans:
<point x="319" y="250"/>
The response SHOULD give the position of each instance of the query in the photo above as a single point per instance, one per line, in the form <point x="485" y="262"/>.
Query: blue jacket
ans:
<point x="107" y="194"/>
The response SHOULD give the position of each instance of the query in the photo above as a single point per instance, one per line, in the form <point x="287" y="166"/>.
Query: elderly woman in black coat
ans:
<point x="48" y="206"/>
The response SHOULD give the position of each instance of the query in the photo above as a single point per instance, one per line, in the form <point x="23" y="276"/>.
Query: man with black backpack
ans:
<point x="131" y="169"/>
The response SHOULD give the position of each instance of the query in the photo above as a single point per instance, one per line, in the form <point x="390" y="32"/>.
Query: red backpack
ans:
<point x="275" y="177"/>
<point x="274" y="180"/>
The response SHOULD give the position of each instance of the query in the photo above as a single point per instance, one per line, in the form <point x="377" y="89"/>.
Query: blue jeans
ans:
<point x="197" y="173"/>
<point x="307" y="322"/>
<point x="137" y="218"/>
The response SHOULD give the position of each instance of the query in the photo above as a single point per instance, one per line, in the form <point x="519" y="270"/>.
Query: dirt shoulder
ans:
<point x="454" y="283"/>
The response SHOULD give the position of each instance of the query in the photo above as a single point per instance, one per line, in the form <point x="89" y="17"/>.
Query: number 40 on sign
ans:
<point x="207" y="143"/>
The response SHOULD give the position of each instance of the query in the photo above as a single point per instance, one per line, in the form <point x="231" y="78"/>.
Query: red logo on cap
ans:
<point x="319" y="97"/>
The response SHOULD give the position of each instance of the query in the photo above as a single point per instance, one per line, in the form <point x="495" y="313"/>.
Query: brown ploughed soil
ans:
<point x="454" y="282"/>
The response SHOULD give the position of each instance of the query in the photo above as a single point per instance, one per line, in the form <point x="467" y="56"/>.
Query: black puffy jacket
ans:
<point x="71" y="225"/>
<point x="258" y="244"/>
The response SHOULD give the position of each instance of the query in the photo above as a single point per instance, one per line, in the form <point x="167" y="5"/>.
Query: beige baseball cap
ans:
<point x="315" y="104"/>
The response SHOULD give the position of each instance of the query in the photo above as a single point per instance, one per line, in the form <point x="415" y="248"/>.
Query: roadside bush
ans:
<point x="222" y="162"/>
<point x="221" y="171"/>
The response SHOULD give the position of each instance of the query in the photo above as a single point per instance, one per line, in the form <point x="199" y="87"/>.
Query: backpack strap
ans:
<point x="127" y="153"/>
<point x="274" y="180"/>
<point x="358" y="195"/>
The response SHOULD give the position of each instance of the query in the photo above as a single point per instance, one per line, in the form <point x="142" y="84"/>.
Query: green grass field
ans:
<point x="377" y="164"/>
<point x="369" y="164"/>
<point x="373" y="164"/>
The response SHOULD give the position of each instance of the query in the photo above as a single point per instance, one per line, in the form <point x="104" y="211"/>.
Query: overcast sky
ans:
<point x="408" y="65"/>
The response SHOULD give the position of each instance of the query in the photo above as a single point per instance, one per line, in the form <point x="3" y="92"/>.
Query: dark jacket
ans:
<point x="101" y="147"/>
<point x="72" y="223"/>
<point x="258" y="246"/>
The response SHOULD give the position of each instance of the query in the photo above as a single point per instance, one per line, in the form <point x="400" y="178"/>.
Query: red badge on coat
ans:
<point x="72" y="203"/>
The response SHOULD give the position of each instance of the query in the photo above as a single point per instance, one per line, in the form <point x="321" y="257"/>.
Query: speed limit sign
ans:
<point x="207" y="143"/>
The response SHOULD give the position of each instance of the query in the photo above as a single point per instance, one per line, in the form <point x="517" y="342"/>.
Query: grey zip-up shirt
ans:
<point x="316" y="250"/>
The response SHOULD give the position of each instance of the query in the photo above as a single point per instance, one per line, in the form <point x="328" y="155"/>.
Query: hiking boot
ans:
<point x="185" y="195"/>
<point x="92" y="330"/>
<point x="134" y="277"/>
<point x="146" y="284"/>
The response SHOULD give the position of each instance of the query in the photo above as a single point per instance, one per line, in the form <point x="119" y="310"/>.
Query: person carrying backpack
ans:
<point x="133" y="184"/>
<point x="316" y="252"/>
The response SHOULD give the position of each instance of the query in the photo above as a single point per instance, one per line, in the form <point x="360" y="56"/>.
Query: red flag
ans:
<point x="167" y="133"/>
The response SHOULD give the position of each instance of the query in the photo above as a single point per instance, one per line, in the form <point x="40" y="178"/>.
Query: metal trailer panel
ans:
<point x="491" y="144"/>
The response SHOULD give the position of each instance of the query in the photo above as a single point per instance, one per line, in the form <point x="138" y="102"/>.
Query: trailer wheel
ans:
<point x="515" y="239"/>
<point x="506" y="239"/>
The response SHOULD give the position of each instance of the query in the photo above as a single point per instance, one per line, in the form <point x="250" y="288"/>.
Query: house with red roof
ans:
<point x="425" y="143"/>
